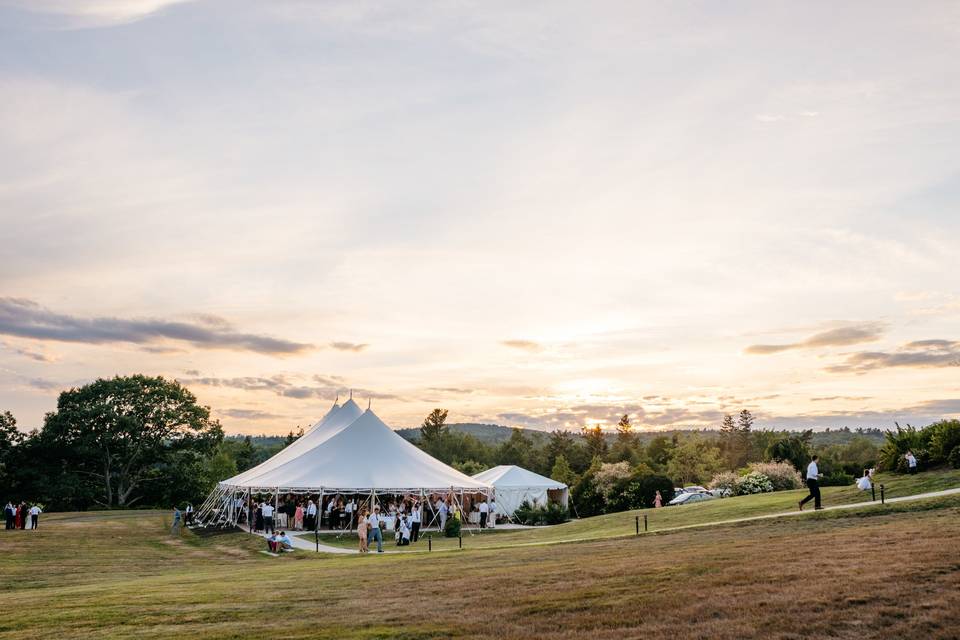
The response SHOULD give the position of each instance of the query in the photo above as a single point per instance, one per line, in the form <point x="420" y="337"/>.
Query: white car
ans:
<point x="690" y="498"/>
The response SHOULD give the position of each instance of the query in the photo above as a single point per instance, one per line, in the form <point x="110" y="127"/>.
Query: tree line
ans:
<point x="140" y="441"/>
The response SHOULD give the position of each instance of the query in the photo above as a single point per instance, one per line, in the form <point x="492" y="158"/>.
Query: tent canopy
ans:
<point x="513" y="485"/>
<point x="353" y="450"/>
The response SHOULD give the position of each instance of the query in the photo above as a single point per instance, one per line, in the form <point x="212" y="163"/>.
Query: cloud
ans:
<point x="27" y="319"/>
<point x="920" y="354"/>
<point x="843" y="336"/>
<point x="282" y="385"/>
<point x="27" y="353"/>
<point x="249" y="414"/>
<point x="525" y="345"/>
<point x="95" y="13"/>
<point x="348" y="346"/>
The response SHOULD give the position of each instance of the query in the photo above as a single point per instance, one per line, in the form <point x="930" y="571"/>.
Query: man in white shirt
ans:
<point x="34" y="516"/>
<point x="484" y="510"/>
<point x="813" y="484"/>
<point x="267" y="510"/>
<point x="374" y="521"/>
<point x="492" y="518"/>
<point x="348" y="508"/>
<point x="415" y="521"/>
<point x="911" y="462"/>
<point x="311" y="522"/>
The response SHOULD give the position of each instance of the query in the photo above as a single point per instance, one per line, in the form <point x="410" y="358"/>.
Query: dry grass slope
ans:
<point x="880" y="572"/>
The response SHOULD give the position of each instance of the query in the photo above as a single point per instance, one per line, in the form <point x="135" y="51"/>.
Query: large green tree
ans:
<point x="119" y="432"/>
<point x="434" y="427"/>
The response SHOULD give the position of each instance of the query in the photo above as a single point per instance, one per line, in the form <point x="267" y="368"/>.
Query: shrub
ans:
<point x="837" y="479"/>
<point x="753" y="482"/>
<point x="954" y="457"/>
<point x="944" y="439"/>
<point x="898" y="443"/>
<point x="532" y="515"/>
<point x="725" y="480"/>
<point x="452" y="528"/>
<point x="782" y="475"/>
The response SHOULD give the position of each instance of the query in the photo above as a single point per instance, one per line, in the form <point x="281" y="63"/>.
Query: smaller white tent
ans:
<point x="512" y="485"/>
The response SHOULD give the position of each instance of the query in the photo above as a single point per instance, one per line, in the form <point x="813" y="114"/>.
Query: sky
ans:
<point x="540" y="214"/>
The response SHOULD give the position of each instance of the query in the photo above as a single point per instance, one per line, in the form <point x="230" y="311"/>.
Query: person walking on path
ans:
<point x="657" y="500"/>
<point x="35" y="512"/>
<point x="813" y="484"/>
<point x="175" y="529"/>
<point x="375" y="534"/>
<point x="911" y="462"/>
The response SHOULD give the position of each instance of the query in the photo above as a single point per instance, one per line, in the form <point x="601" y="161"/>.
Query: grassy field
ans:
<point x="624" y="523"/>
<point x="877" y="572"/>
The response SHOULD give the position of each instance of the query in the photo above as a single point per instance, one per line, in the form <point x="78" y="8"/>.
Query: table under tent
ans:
<point x="350" y="455"/>
<point x="515" y="485"/>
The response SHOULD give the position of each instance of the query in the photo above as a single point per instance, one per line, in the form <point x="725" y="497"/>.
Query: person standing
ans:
<point x="267" y="510"/>
<point x="484" y="510"/>
<point x="415" y="516"/>
<point x="35" y="512"/>
<point x="9" y="513"/>
<point x="444" y="511"/>
<point x="657" y="500"/>
<point x="298" y="517"/>
<point x="375" y="533"/>
<point x="362" y="530"/>
<point x="311" y="515"/>
<point x="21" y="514"/>
<point x="492" y="518"/>
<point x="813" y="484"/>
<point x="189" y="514"/>
<point x="911" y="462"/>
<point x="175" y="528"/>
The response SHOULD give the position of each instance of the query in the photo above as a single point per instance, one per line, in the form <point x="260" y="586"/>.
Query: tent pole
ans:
<point x="316" y="523"/>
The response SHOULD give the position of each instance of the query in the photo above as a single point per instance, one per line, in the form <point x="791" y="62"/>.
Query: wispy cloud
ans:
<point x="348" y="346"/>
<point x="27" y="319"/>
<point x="843" y="336"/>
<point x="320" y="387"/>
<point x="920" y="354"/>
<point x="250" y="414"/>
<point x="39" y="356"/>
<point x="524" y="345"/>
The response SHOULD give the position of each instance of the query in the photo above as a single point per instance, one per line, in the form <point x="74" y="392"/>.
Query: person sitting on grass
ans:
<point x="272" y="542"/>
<point x="282" y="542"/>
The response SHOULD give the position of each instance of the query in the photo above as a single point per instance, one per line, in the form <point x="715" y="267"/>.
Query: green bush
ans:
<point x="452" y="528"/>
<point x="754" y="482"/>
<point x="954" y="457"/>
<point x="534" y="516"/>
<point x="944" y="439"/>
<point x="898" y="443"/>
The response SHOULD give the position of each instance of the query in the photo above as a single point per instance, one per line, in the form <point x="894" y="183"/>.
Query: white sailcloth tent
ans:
<point x="513" y="485"/>
<point x="349" y="451"/>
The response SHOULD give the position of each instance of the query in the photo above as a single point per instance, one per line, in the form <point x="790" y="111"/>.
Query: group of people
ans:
<point x="279" y="542"/>
<point x="22" y="516"/>
<point x="372" y="525"/>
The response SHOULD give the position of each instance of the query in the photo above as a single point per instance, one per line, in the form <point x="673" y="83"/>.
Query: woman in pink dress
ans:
<point x="298" y="517"/>
<point x="658" y="500"/>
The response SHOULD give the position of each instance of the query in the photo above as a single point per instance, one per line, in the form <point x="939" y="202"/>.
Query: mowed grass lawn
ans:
<point x="877" y="572"/>
<point x="718" y="510"/>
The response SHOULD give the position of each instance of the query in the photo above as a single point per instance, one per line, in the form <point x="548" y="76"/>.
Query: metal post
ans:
<point x="429" y="542"/>
<point x="638" y="524"/>
<point x="873" y="491"/>
<point x="882" y="496"/>
<point x="461" y="540"/>
<point x="644" y="523"/>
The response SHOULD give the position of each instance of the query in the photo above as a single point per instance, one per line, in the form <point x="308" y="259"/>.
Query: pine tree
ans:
<point x="562" y="472"/>
<point x="434" y="427"/>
